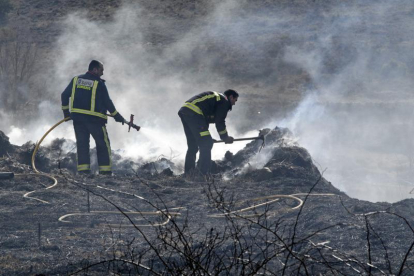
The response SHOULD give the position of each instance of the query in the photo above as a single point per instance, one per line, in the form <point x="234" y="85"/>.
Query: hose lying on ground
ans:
<point x="273" y="198"/>
<point x="55" y="182"/>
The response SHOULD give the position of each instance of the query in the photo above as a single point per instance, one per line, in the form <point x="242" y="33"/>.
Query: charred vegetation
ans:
<point x="148" y="222"/>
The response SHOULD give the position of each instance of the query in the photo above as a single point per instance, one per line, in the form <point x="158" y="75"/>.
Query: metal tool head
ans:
<point x="262" y="137"/>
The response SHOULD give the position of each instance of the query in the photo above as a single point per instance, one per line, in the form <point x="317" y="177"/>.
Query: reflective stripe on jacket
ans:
<point x="213" y="107"/>
<point x="88" y="99"/>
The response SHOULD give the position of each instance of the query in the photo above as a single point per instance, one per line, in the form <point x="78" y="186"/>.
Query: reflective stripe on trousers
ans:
<point x="195" y="142"/>
<point x="83" y="131"/>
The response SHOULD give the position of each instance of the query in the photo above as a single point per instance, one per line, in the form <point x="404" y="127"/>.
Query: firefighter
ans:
<point x="86" y="101"/>
<point x="196" y="114"/>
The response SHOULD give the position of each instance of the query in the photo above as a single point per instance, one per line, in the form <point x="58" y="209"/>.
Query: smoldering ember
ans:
<point x="285" y="218"/>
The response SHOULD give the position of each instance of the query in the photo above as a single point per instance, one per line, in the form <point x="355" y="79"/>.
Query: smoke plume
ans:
<point x="339" y="75"/>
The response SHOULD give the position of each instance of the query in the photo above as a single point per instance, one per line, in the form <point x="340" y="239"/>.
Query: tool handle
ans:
<point x="242" y="139"/>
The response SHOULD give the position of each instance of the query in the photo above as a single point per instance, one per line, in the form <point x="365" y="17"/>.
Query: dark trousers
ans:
<point x="198" y="138"/>
<point x="83" y="131"/>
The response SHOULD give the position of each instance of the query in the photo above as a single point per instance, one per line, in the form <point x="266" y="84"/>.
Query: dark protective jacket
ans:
<point x="88" y="99"/>
<point x="213" y="107"/>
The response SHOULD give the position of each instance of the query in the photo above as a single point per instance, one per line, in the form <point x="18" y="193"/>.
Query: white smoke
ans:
<point x="343" y="67"/>
<point x="345" y="122"/>
<point x="151" y="84"/>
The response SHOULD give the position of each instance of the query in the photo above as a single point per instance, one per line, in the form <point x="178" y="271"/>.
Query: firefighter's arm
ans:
<point x="65" y="97"/>
<point x="110" y="105"/>
<point x="220" y="121"/>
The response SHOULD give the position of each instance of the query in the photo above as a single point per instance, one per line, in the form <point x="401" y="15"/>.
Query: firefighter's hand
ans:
<point x="118" y="118"/>
<point x="229" y="140"/>
<point x="66" y="114"/>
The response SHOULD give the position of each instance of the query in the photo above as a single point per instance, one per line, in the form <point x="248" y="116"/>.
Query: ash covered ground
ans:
<point x="282" y="217"/>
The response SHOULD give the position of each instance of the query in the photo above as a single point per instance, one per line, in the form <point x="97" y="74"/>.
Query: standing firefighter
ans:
<point x="88" y="100"/>
<point x="196" y="114"/>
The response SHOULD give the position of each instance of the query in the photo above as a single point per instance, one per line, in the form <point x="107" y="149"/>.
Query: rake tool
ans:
<point x="261" y="137"/>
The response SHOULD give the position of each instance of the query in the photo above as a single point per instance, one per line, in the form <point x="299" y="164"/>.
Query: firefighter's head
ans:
<point x="96" y="67"/>
<point x="232" y="96"/>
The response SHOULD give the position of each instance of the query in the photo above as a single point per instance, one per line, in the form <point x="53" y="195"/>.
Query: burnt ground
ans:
<point x="249" y="224"/>
<point x="331" y="234"/>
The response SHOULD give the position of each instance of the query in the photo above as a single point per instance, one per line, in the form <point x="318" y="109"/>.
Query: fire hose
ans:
<point x="273" y="198"/>
<point x="55" y="182"/>
<point x="27" y="195"/>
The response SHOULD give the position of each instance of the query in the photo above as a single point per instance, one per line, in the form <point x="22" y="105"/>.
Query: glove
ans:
<point x="118" y="118"/>
<point x="229" y="140"/>
<point x="66" y="114"/>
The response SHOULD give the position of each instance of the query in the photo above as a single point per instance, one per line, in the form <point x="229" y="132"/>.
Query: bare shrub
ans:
<point x="251" y="244"/>
<point x="5" y="8"/>
<point x="18" y="59"/>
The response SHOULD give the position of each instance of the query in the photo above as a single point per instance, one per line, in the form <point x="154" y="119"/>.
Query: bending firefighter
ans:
<point x="196" y="115"/>
<point x="86" y="101"/>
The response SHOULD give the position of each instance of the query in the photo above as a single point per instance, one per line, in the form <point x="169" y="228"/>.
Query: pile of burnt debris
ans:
<point x="281" y="156"/>
<point x="280" y="160"/>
